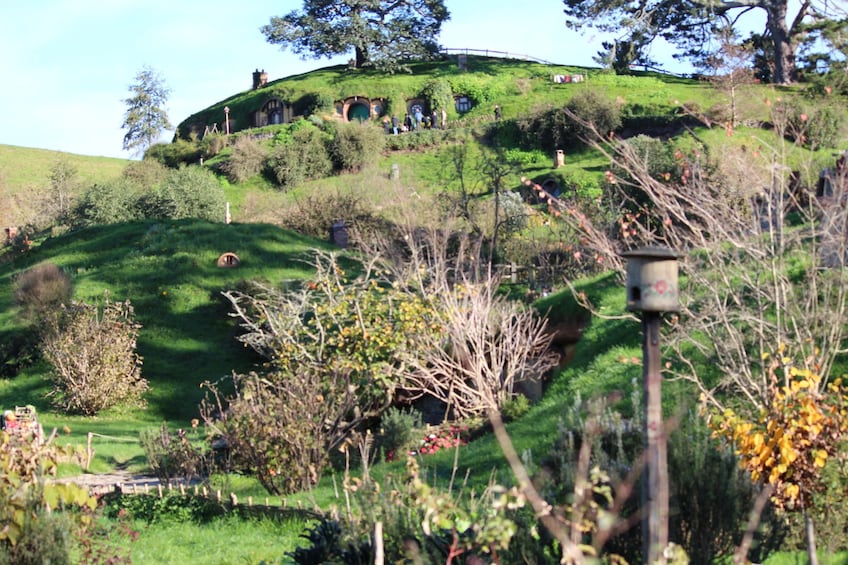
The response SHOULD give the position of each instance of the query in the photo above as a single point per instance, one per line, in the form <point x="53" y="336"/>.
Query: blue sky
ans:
<point x="66" y="65"/>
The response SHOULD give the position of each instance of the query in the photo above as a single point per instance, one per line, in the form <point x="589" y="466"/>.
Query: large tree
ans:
<point x="145" y="118"/>
<point x="383" y="33"/>
<point x="690" y="23"/>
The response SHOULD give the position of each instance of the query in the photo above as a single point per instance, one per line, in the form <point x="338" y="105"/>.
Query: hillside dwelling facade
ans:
<point x="462" y="104"/>
<point x="359" y="108"/>
<point x="274" y="111"/>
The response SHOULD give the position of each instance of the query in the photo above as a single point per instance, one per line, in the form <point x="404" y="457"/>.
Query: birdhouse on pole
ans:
<point x="652" y="280"/>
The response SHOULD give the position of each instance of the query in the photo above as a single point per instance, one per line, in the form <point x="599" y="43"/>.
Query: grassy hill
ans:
<point x="516" y="86"/>
<point x="168" y="268"/>
<point x="168" y="271"/>
<point x="26" y="171"/>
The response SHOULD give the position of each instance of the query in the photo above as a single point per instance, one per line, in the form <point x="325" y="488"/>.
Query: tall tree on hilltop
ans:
<point x="383" y="33"/>
<point x="690" y="24"/>
<point x="145" y="118"/>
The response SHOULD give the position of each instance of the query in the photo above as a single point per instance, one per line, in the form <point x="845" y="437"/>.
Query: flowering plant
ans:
<point x="444" y="437"/>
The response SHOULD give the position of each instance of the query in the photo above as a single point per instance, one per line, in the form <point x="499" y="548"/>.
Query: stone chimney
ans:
<point x="260" y="78"/>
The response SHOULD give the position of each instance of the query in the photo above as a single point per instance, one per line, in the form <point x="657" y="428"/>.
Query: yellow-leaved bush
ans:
<point x="788" y="444"/>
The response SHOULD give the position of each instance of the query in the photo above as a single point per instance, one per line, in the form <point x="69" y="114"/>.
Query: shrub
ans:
<point x="599" y="111"/>
<point x="281" y="427"/>
<point x="172" y="155"/>
<point x="356" y="145"/>
<point x="173" y="456"/>
<point x="815" y="126"/>
<point x="30" y="532"/>
<point x="42" y="289"/>
<point x="314" y="103"/>
<point x="110" y="203"/>
<point x="246" y="161"/>
<point x="94" y="359"/>
<point x="712" y="497"/>
<point x="553" y="128"/>
<point x="397" y="432"/>
<point x="302" y="158"/>
<point x="188" y="192"/>
<point x="438" y="94"/>
<point x="314" y="214"/>
<point x="46" y="537"/>
<point x="145" y="174"/>
<point x="212" y="144"/>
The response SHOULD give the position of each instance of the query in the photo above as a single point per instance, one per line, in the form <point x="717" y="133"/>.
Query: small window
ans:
<point x="463" y="104"/>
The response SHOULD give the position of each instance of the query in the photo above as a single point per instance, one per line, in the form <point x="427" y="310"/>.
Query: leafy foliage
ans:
<point x="690" y="24"/>
<point x="282" y="427"/>
<point x="788" y="445"/>
<point x="111" y="202"/>
<point x="175" y="456"/>
<point x="145" y="118"/>
<point x="93" y="356"/>
<point x="356" y="145"/>
<point x="336" y="355"/>
<point x="569" y="127"/>
<point x="302" y="157"/>
<point x="27" y="530"/>
<point x="439" y="94"/>
<point x="188" y="192"/>
<point x="247" y="160"/>
<point x="383" y="34"/>
<point x="421" y="523"/>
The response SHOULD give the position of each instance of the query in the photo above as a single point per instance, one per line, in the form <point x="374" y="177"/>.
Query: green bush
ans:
<point x="93" y="357"/>
<point x="711" y="498"/>
<point x="818" y="126"/>
<point x="246" y="161"/>
<point x="398" y="429"/>
<point x="552" y="128"/>
<point x="108" y="203"/>
<point x="302" y="158"/>
<point x="210" y="145"/>
<point x="356" y="145"/>
<point x="46" y="539"/>
<point x="41" y="289"/>
<point x="438" y="94"/>
<point x="174" y="154"/>
<point x="188" y="192"/>
<point x="145" y="174"/>
<point x="600" y="112"/>
<point x="314" y="103"/>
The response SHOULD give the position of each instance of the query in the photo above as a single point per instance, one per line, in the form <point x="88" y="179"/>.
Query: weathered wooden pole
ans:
<point x="655" y="481"/>
<point x="652" y="290"/>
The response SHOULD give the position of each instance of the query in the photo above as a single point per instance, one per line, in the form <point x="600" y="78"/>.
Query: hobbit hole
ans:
<point x="462" y="104"/>
<point x="228" y="261"/>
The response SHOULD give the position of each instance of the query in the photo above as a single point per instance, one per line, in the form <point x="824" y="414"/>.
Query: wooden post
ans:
<point x="88" y="452"/>
<point x="379" y="558"/>
<point x="655" y="476"/>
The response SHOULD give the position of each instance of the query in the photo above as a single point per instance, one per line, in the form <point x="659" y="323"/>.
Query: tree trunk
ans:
<point x="810" y="531"/>
<point x="782" y="47"/>
<point x="360" y="57"/>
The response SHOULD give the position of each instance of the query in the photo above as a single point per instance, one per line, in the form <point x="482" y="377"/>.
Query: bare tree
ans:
<point x="762" y="261"/>
<point x="488" y="347"/>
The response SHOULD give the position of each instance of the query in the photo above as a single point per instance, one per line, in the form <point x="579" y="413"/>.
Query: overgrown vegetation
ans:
<point x="92" y="351"/>
<point x="343" y="351"/>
